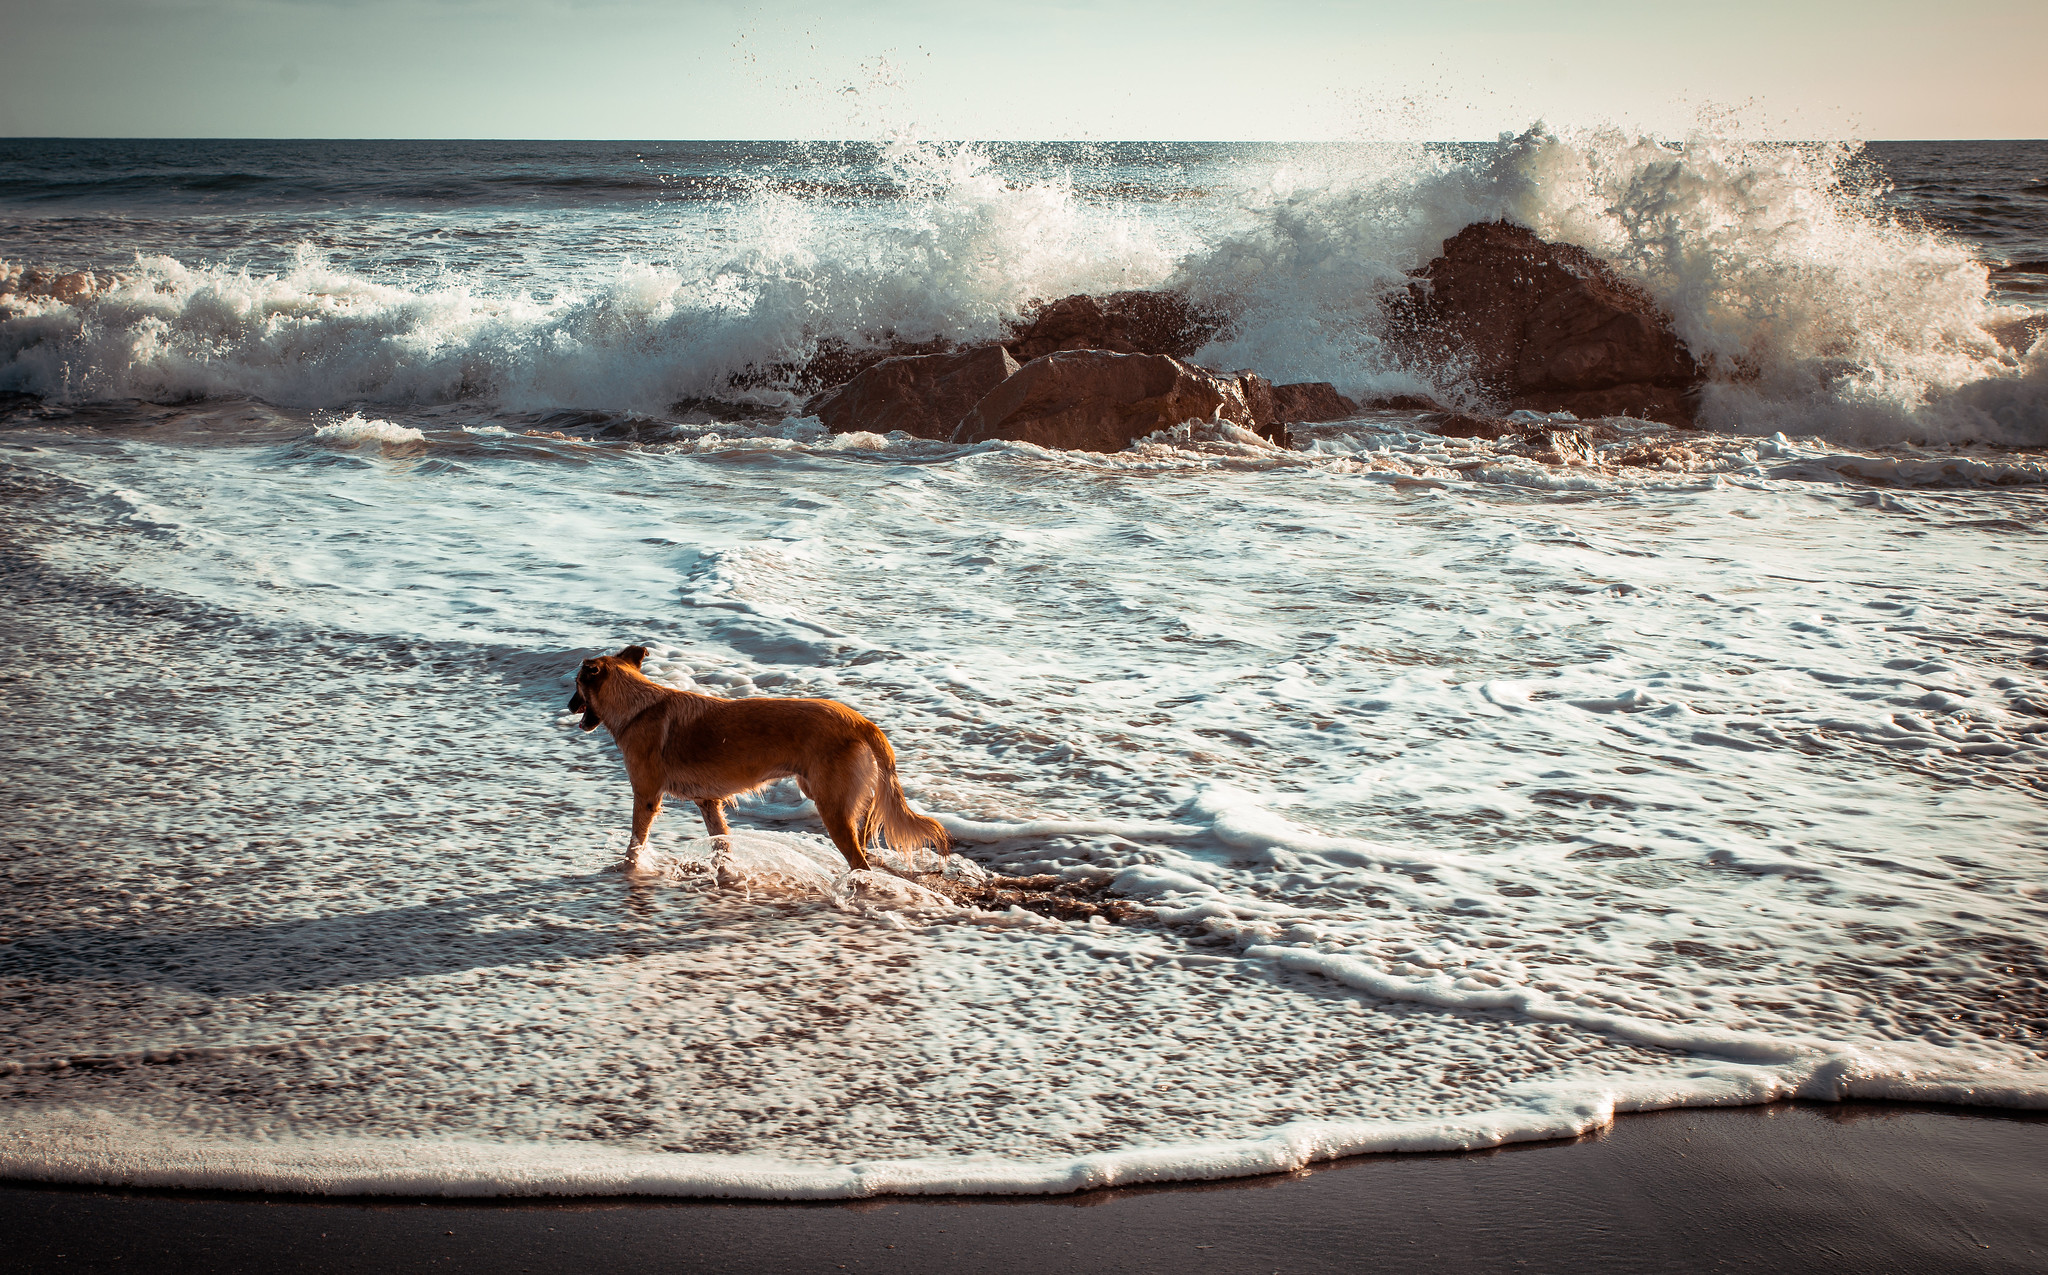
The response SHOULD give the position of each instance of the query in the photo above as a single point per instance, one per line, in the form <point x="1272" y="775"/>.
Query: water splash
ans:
<point x="1817" y="309"/>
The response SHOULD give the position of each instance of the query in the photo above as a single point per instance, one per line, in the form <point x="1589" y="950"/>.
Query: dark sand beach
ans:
<point x="1789" y="1187"/>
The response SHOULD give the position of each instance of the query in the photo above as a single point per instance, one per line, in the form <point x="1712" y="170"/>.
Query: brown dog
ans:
<point x="706" y="750"/>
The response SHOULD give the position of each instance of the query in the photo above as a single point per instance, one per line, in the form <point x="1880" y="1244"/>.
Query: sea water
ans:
<point x="1470" y="799"/>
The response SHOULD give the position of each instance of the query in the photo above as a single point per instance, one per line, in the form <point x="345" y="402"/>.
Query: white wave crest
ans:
<point x="354" y="429"/>
<point x="961" y="253"/>
<point x="1816" y="310"/>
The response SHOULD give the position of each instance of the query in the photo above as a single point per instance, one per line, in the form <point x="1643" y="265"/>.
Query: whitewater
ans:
<point x="1468" y="799"/>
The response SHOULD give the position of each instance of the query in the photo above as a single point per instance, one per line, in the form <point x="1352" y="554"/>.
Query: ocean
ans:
<point x="1469" y="799"/>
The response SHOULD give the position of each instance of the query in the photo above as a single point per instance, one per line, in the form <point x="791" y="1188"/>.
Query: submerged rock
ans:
<point x="1545" y="326"/>
<point x="921" y="394"/>
<point x="1046" y="894"/>
<point x="1101" y="401"/>
<point x="1466" y="425"/>
<point x="1557" y="447"/>
<point x="1122" y="322"/>
<point x="1657" y="455"/>
<point x="2019" y="335"/>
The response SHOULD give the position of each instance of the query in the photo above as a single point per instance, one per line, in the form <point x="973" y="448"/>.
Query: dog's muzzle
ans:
<point x="577" y="704"/>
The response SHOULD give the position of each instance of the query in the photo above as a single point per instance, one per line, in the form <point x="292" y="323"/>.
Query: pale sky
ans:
<point x="1288" y="70"/>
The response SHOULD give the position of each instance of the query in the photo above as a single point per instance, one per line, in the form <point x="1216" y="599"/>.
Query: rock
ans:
<point x="1465" y="425"/>
<point x="1545" y="326"/>
<point x="1557" y="447"/>
<point x="1098" y="401"/>
<point x="1046" y="894"/>
<point x="1672" y="406"/>
<point x="1261" y="404"/>
<point x="1071" y="323"/>
<point x="1657" y="456"/>
<point x="1404" y="403"/>
<point x="1122" y="322"/>
<point x="834" y="362"/>
<point x="1162" y="322"/>
<point x="1248" y="401"/>
<point x="1308" y="402"/>
<point x="722" y="411"/>
<point x="1125" y="322"/>
<point x="921" y="394"/>
<point x="2019" y="335"/>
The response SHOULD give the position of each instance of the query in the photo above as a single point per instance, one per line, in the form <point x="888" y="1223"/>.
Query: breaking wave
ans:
<point x="1817" y="308"/>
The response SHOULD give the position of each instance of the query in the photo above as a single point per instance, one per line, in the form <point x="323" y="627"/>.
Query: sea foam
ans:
<point x="354" y="429"/>
<point x="1815" y="308"/>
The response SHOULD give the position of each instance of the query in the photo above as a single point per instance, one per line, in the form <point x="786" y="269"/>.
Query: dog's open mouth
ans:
<point x="577" y="704"/>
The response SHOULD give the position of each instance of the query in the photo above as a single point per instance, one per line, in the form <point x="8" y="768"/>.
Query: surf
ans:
<point x="1819" y="308"/>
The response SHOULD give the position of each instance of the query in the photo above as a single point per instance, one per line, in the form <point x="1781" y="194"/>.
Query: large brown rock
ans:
<point x="1402" y="403"/>
<point x="1101" y="401"/>
<point x="921" y="394"/>
<point x="1248" y="400"/>
<point x="1309" y="402"/>
<point x="1126" y="322"/>
<point x="1122" y="322"/>
<point x="1545" y="326"/>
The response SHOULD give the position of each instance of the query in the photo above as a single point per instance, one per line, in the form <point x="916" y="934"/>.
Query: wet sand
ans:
<point x="1791" y="1187"/>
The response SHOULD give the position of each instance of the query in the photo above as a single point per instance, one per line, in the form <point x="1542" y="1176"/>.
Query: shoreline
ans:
<point x="1786" y="1186"/>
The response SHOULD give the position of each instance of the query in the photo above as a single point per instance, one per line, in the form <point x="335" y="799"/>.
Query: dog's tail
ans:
<point x="889" y="814"/>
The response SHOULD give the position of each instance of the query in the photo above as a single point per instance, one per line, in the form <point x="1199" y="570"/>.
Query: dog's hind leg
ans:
<point x="714" y="817"/>
<point x="845" y="833"/>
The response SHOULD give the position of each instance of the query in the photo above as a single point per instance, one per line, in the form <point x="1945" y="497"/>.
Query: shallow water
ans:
<point x="1472" y="799"/>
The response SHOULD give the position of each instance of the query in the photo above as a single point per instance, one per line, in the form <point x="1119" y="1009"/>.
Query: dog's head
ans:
<point x="591" y="679"/>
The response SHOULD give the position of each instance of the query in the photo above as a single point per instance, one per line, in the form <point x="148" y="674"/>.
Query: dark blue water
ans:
<point x="105" y="191"/>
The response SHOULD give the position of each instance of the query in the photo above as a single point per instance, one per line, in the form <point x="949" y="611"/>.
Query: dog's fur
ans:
<point x="707" y="750"/>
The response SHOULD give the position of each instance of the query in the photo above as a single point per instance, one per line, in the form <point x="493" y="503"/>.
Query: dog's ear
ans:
<point x="633" y="655"/>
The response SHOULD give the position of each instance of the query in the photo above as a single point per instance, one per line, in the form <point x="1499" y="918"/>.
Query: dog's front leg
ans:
<point x="646" y="805"/>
